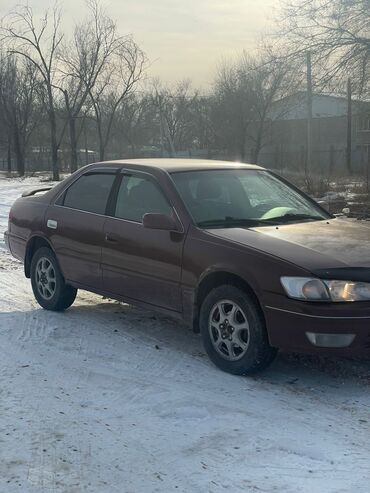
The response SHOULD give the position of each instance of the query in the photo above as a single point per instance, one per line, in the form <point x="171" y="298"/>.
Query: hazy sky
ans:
<point x="181" y="38"/>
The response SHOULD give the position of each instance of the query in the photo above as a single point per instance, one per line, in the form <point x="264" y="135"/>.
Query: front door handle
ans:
<point x="111" y="238"/>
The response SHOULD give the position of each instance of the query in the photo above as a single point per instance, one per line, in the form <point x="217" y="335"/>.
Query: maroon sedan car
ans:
<point x="238" y="253"/>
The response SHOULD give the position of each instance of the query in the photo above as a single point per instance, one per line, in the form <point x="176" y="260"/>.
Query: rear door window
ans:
<point x="90" y="192"/>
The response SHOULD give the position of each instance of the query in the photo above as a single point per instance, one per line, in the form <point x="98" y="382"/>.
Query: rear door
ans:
<point x="139" y="263"/>
<point x="75" y="226"/>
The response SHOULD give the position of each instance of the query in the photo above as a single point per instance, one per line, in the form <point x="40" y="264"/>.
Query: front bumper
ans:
<point x="330" y="328"/>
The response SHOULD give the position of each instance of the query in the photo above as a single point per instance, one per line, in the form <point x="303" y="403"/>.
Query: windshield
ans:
<point x="237" y="197"/>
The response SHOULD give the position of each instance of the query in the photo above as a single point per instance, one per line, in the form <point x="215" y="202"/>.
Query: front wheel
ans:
<point x="233" y="331"/>
<point x="48" y="284"/>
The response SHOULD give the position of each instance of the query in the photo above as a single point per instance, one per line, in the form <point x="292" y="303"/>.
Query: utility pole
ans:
<point x="309" y="115"/>
<point x="349" y="127"/>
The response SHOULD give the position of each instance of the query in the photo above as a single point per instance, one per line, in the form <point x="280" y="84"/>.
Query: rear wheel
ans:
<point x="48" y="285"/>
<point x="233" y="331"/>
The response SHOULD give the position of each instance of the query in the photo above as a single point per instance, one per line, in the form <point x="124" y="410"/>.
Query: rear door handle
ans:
<point x="111" y="238"/>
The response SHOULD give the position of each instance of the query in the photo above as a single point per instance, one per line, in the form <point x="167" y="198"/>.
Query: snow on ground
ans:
<point x="107" y="398"/>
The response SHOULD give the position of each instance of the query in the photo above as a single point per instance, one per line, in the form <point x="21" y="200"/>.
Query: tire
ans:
<point x="233" y="331"/>
<point x="48" y="285"/>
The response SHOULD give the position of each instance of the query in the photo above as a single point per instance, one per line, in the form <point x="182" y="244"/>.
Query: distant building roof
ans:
<point x="294" y="107"/>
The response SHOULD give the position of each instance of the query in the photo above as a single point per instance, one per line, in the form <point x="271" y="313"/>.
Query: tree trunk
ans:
<point x="54" y="146"/>
<point x="72" y="134"/>
<point x="73" y="143"/>
<point x="242" y="152"/>
<point x="9" y="156"/>
<point x="256" y="152"/>
<point x="257" y="149"/>
<point x="133" y="150"/>
<point x="54" y="156"/>
<point x="86" y="147"/>
<point x="53" y="135"/>
<point x="19" y="155"/>
<point x="101" y="142"/>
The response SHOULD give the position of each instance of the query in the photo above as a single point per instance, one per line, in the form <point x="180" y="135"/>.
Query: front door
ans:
<point x="140" y="263"/>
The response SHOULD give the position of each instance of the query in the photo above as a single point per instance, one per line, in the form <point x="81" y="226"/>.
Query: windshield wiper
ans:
<point x="295" y="217"/>
<point x="229" y="222"/>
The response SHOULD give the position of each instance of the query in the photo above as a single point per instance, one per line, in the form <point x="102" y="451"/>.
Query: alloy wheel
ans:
<point x="229" y="330"/>
<point x="45" y="278"/>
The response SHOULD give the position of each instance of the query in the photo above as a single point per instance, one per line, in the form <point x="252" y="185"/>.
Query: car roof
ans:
<point x="173" y="164"/>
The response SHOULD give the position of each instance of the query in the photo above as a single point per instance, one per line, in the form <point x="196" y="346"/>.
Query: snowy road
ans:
<point x="106" y="398"/>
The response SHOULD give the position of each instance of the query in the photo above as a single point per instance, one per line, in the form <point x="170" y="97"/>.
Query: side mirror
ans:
<point x="160" y="221"/>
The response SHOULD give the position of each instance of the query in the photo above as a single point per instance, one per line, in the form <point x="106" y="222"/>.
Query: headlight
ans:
<point x="348" y="291"/>
<point x="305" y="288"/>
<point x="313" y="289"/>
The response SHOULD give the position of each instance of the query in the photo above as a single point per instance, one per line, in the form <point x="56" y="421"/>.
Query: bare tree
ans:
<point x="271" y="77"/>
<point x="117" y="81"/>
<point x="244" y="95"/>
<point x="83" y="61"/>
<point x="232" y="109"/>
<point x="176" y="114"/>
<point x="201" y="123"/>
<point x="38" y="44"/>
<point x="337" y="32"/>
<point x="5" y="131"/>
<point x="135" y="123"/>
<point x="20" y="108"/>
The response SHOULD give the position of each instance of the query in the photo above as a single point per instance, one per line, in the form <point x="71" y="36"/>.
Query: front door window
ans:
<point x="138" y="196"/>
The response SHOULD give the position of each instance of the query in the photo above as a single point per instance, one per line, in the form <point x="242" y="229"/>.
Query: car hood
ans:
<point x="335" y="246"/>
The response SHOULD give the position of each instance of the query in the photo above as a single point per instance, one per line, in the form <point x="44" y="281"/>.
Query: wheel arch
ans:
<point x="34" y="243"/>
<point x="219" y="278"/>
